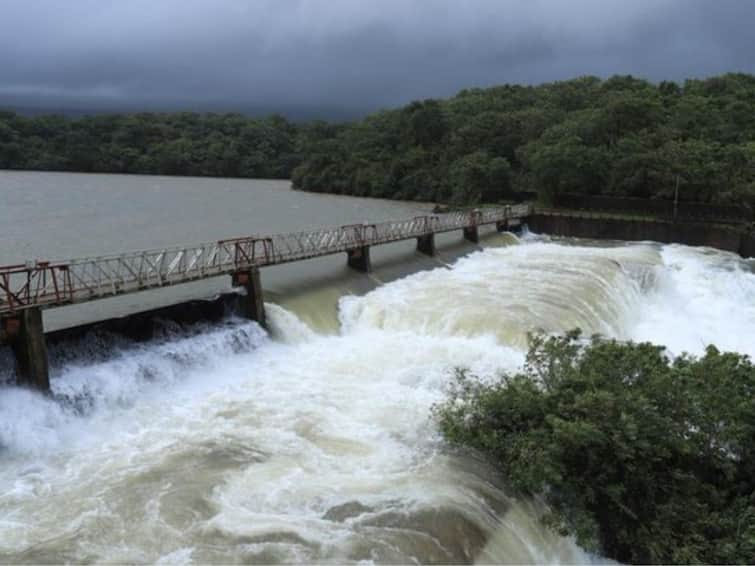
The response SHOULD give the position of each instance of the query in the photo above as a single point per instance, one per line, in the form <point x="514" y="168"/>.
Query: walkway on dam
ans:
<point x="27" y="288"/>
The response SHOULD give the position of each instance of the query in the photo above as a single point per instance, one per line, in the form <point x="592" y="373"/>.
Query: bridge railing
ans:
<point x="46" y="283"/>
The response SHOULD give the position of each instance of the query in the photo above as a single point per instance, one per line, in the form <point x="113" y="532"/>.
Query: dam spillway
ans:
<point x="221" y="444"/>
<point x="27" y="288"/>
<point x="311" y="441"/>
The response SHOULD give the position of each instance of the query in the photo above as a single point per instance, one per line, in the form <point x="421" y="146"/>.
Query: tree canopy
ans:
<point x="222" y="145"/>
<point x="621" y="136"/>
<point x="644" y="459"/>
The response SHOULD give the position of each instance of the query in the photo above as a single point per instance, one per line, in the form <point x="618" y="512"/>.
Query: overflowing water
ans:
<point x="315" y="444"/>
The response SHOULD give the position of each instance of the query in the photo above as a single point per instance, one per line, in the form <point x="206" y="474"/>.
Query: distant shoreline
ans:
<point x="617" y="137"/>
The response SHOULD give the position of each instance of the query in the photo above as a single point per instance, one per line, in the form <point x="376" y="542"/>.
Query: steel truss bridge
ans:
<point x="45" y="284"/>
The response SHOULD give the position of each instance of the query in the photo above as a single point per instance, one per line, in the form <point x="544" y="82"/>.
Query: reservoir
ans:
<point x="314" y="442"/>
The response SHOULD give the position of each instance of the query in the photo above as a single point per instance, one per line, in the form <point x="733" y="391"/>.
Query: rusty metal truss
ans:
<point x="55" y="283"/>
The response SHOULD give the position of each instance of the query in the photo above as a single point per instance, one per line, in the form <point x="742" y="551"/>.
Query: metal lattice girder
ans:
<point x="45" y="283"/>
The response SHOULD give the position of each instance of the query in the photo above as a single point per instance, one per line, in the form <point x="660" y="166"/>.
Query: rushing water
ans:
<point x="315" y="444"/>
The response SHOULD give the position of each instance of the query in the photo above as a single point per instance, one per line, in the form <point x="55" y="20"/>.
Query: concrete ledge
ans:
<point x="578" y="225"/>
<point x="141" y="326"/>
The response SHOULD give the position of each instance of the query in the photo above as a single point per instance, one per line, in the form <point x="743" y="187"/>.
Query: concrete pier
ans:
<point x="251" y="304"/>
<point x="514" y="225"/>
<point x="25" y="334"/>
<point x="426" y="244"/>
<point x="472" y="234"/>
<point x="359" y="259"/>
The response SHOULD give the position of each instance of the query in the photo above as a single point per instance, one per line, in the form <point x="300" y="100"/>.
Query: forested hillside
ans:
<point x="621" y="136"/>
<point x="224" y="145"/>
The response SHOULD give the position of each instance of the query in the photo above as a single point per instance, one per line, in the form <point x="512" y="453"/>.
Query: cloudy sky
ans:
<point x="331" y="57"/>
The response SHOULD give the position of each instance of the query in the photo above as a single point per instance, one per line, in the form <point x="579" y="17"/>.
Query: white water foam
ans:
<point x="704" y="296"/>
<point x="227" y="446"/>
<point x="86" y="391"/>
<point x="509" y="291"/>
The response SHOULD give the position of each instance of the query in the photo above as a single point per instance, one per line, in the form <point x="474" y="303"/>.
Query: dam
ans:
<point x="311" y="440"/>
<point x="27" y="288"/>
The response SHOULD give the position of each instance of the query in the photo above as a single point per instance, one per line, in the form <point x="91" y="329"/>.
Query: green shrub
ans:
<point x="643" y="459"/>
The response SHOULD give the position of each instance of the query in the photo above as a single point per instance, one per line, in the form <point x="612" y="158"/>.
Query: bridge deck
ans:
<point x="47" y="284"/>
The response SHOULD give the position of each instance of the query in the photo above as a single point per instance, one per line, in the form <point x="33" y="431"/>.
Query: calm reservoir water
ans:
<point x="314" y="443"/>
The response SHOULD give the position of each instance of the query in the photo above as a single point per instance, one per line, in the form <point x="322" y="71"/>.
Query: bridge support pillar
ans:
<point x="516" y="225"/>
<point x="502" y="226"/>
<point x="251" y="303"/>
<point x="426" y="244"/>
<point x="359" y="259"/>
<point x="25" y="334"/>
<point x="472" y="234"/>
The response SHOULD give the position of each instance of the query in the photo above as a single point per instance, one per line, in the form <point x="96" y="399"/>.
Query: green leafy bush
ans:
<point x="643" y="459"/>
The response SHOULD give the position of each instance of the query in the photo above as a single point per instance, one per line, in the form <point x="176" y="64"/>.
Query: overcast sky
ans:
<point x="346" y="56"/>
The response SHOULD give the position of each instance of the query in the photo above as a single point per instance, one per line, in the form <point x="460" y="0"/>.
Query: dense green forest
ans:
<point x="621" y="136"/>
<point x="223" y="145"/>
<point x="643" y="459"/>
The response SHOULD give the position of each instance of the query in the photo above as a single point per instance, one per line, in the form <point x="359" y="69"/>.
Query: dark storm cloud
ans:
<point x="347" y="54"/>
